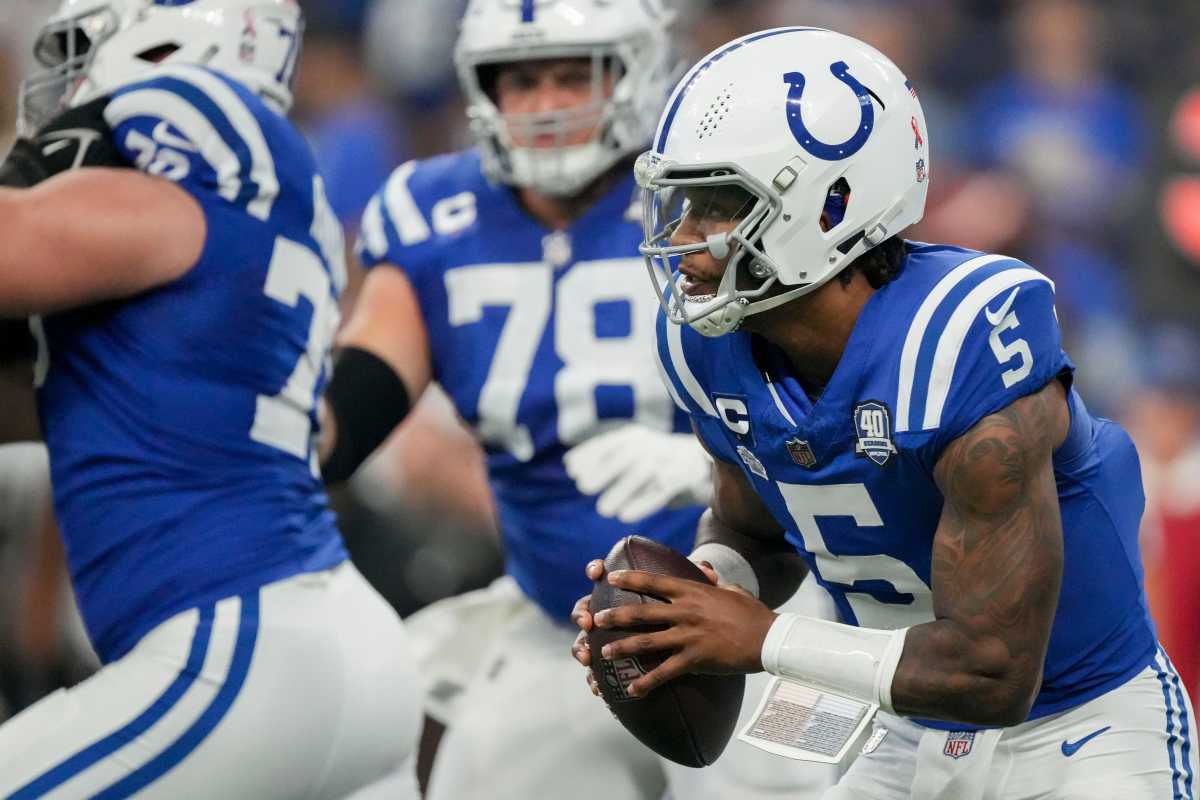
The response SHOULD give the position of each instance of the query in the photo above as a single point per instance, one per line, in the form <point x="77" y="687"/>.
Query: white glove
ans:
<point x="637" y="471"/>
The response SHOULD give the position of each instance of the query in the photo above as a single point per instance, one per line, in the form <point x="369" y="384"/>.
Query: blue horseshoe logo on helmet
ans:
<point x="829" y="152"/>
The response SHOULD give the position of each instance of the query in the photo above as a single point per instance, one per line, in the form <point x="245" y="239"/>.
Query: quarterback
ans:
<point x="510" y="274"/>
<point x="899" y="417"/>
<point x="166" y="227"/>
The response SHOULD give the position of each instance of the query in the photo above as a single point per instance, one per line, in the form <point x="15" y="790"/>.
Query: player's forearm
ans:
<point x="21" y="249"/>
<point x="936" y="670"/>
<point x="949" y="673"/>
<point x="365" y="400"/>
<point x="996" y="568"/>
<point x="777" y="566"/>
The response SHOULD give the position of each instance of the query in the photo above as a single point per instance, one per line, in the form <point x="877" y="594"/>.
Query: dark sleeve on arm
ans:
<point x="78" y="137"/>
<point x="367" y="400"/>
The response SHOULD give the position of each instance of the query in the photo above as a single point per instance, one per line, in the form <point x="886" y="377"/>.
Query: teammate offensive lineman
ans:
<point x="901" y="416"/>
<point x="510" y="275"/>
<point x="186" y="278"/>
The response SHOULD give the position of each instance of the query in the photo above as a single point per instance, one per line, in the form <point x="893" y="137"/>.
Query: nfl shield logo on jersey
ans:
<point x="801" y="452"/>
<point x="873" y="423"/>
<point x="958" y="743"/>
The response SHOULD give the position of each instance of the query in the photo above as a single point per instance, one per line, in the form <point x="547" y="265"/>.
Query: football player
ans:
<point x="510" y="275"/>
<point x="901" y="417"/>
<point x="169" y="232"/>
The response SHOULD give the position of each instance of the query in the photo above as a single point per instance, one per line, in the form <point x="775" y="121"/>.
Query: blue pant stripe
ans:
<point x="527" y="10"/>
<point x="101" y="749"/>
<point x="190" y="739"/>
<point x="1186" y="750"/>
<point x="1171" y="738"/>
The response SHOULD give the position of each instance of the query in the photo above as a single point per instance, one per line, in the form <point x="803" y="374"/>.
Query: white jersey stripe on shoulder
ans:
<point x="686" y="377"/>
<point x="666" y="378"/>
<point x="916" y="332"/>
<point x="373" y="236"/>
<point x="262" y="164"/>
<point x="955" y="333"/>
<point x="184" y="116"/>
<point x="402" y="208"/>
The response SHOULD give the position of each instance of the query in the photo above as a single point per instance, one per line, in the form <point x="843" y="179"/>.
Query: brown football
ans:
<point x="688" y="720"/>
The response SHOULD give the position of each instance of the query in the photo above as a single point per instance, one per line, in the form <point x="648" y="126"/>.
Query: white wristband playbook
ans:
<point x="850" y="661"/>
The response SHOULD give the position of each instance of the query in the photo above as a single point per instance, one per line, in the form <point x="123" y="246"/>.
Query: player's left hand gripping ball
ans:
<point x="653" y="654"/>
<point x="78" y="137"/>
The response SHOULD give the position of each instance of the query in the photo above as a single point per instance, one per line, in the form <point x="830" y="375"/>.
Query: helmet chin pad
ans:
<point x="722" y="319"/>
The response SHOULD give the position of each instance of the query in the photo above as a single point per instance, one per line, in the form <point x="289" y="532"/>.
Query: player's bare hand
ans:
<point x="581" y="615"/>
<point x="582" y="649"/>
<point x="710" y="629"/>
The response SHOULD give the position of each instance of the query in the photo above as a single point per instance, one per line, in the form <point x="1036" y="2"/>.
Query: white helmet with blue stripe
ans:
<point x="820" y="142"/>
<point x="627" y="37"/>
<point x="91" y="47"/>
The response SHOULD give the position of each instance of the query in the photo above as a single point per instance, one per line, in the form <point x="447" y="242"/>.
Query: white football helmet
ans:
<point x="621" y="35"/>
<point x="790" y="123"/>
<point x="90" y="47"/>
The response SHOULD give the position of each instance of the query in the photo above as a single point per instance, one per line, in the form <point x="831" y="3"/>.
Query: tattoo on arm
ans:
<point x="996" y="571"/>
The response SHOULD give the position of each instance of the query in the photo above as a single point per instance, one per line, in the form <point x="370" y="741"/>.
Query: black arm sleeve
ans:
<point x="78" y="137"/>
<point x="24" y="166"/>
<point x="368" y="400"/>
<point x="16" y="342"/>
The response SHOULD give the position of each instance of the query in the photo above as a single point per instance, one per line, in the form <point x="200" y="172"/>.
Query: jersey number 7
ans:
<point x="284" y="420"/>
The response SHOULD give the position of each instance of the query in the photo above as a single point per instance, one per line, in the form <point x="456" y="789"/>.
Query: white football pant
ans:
<point x="306" y="688"/>
<point x="1133" y="743"/>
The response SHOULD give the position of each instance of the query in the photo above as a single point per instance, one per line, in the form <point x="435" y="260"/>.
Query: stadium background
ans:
<point x="1064" y="132"/>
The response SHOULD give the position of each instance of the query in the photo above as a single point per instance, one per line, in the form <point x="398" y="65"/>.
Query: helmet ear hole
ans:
<point x="837" y="202"/>
<point x="158" y="54"/>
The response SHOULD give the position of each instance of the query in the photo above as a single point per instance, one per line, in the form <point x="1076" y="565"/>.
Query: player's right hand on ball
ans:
<point x="581" y="615"/>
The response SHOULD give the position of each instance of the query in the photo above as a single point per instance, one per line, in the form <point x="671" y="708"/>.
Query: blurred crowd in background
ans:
<point x="1062" y="132"/>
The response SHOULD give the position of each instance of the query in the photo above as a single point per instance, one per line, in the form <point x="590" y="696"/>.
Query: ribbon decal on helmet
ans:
<point x="813" y="145"/>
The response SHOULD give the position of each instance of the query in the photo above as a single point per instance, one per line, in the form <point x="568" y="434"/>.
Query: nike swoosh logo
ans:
<point x="51" y="149"/>
<point x="1071" y="748"/>
<point x="994" y="318"/>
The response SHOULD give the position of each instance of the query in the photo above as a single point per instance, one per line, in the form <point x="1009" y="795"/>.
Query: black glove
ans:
<point x="78" y="137"/>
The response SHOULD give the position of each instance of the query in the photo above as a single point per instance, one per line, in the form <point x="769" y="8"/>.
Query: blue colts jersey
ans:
<point x="541" y="340"/>
<point x="180" y="422"/>
<point x="956" y="337"/>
